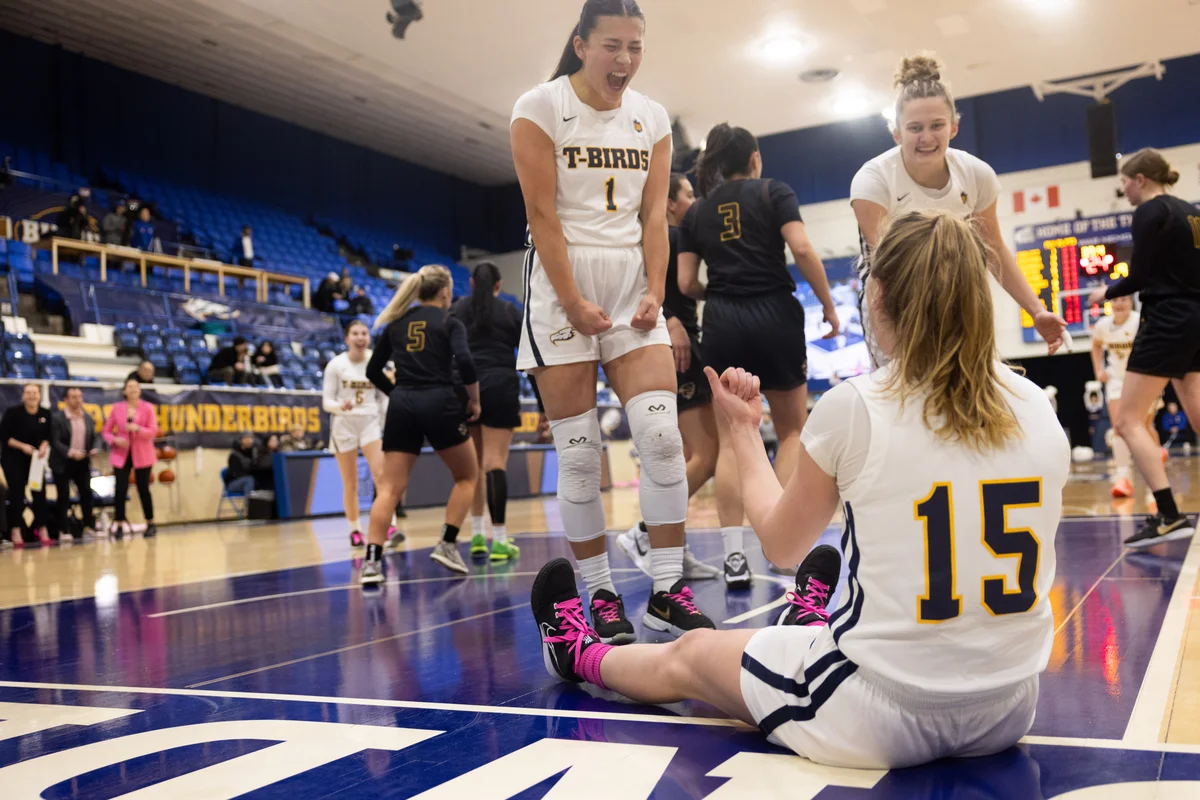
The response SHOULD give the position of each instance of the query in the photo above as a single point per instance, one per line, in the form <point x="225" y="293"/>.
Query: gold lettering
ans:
<point x="243" y="418"/>
<point x="262" y="420"/>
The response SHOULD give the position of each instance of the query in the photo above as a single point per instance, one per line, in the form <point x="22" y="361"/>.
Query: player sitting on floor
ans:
<point x="951" y="469"/>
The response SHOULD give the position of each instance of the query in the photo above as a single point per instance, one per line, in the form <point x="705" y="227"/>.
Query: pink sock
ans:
<point x="588" y="667"/>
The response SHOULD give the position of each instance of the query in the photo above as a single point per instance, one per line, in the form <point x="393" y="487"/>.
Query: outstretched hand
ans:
<point x="736" y="396"/>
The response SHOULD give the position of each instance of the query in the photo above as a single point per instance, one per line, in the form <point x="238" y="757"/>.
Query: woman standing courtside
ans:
<point x="740" y="227"/>
<point x="493" y="333"/>
<point x="594" y="161"/>
<point x="24" y="432"/>
<point x="426" y="344"/>
<point x="130" y="430"/>
<point x="1165" y="269"/>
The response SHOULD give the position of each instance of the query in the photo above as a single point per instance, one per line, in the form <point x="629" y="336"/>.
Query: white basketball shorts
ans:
<point x="806" y="696"/>
<point x="349" y="432"/>
<point x="613" y="278"/>
<point x="1113" y="387"/>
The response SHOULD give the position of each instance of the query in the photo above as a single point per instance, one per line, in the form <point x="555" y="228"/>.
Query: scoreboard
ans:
<point x="1060" y="258"/>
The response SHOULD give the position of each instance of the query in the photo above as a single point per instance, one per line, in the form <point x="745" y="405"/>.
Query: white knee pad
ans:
<point x="663" y="491"/>
<point x="577" y="441"/>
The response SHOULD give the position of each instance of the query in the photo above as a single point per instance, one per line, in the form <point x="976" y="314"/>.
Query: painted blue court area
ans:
<point x="298" y="684"/>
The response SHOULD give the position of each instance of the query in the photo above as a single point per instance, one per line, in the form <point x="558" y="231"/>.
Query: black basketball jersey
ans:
<point x="493" y="344"/>
<point x="1166" y="251"/>
<point x="676" y="303"/>
<point x="737" y="230"/>
<point x="426" y="345"/>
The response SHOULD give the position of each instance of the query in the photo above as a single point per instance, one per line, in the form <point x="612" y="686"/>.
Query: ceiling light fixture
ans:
<point x="851" y="103"/>
<point x="819" y="75"/>
<point x="779" y="48"/>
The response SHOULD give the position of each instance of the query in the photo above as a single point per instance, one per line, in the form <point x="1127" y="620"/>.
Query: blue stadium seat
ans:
<point x="127" y="341"/>
<point x="160" y="360"/>
<point x="305" y="382"/>
<point x="187" y="372"/>
<point x="20" y="343"/>
<point x="202" y="362"/>
<point x="175" y="345"/>
<point x="289" y="382"/>
<point x="22" y="371"/>
<point x="54" y="367"/>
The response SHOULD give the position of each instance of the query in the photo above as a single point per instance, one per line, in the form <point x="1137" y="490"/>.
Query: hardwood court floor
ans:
<point x="211" y="639"/>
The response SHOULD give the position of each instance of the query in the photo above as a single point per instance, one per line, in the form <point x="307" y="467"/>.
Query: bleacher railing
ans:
<point x="189" y="266"/>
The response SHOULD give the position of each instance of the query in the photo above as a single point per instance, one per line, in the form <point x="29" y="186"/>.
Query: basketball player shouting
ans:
<point x="594" y="161"/>
<point x="951" y="468"/>
<point x="924" y="173"/>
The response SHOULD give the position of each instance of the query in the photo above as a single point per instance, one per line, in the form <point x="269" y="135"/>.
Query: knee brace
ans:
<point x="577" y="441"/>
<point x="654" y="423"/>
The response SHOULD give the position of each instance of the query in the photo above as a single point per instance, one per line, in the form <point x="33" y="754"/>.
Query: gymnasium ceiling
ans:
<point x="442" y="96"/>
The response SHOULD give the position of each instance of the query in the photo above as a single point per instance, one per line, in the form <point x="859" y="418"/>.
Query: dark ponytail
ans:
<point x="727" y="151"/>
<point x="483" y="300"/>
<point x="570" y="63"/>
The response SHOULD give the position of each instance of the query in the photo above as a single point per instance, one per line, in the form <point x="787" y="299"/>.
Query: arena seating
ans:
<point x="152" y="322"/>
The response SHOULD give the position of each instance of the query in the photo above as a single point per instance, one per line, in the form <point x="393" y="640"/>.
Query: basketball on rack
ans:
<point x="166" y="453"/>
<point x="166" y="476"/>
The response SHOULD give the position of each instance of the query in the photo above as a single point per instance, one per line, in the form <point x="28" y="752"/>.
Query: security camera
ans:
<point x="403" y="14"/>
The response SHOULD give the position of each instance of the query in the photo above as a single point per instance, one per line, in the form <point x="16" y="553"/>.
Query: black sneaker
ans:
<point x="815" y="581"/>
<point x="1156" y="529"/>
<point x="562" y="625"/>
<point x="737" y="571"/>
<point x="151" y="531"/>
<point x="675" y="612"/>
<point x="609" y="620"/>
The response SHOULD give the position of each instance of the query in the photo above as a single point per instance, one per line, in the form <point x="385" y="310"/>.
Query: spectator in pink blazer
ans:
<point x="130" y="430"/>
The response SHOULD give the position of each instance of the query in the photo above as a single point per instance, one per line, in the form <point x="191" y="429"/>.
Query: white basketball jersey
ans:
<point x="346" y="380"/>
<point x="883" y="180"/>
<point x="603" y="159"/>
<point x="1118" y="342"/>
<point x="951" y="552"/>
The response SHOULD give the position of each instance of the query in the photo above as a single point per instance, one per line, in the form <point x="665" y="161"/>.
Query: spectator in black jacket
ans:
<point x="243" y="247"/>
<point x="326" y="293"/>
<point x="143" y="374"/>
<point x="228" y="365"/>
<point x="72" y="443"/>
<point x="242" y="459"/>
<point x="72" y="221"/>
<point x="24" y="431"/>
<point x="360" y="303"/>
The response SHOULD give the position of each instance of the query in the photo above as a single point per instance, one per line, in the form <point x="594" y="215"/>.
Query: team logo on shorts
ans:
<point x="562" y="335"/>
<point x="462" y="429"/>
<point x="637" y="126"/>
<point x="687" y="391"/>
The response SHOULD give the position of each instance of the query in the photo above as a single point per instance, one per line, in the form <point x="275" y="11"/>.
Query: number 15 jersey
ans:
<point x="950" y="552"/>
<point x="602" y="160"/>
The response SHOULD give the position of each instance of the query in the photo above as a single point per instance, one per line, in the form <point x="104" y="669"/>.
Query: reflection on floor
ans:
<point x="250" y="654"/>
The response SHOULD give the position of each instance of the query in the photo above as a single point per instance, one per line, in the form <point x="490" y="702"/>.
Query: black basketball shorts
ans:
<point x="763" y="334"/>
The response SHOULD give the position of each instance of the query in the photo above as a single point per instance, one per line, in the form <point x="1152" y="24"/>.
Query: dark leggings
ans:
<point x="16" y="471"/>
<point x="142" y="476"/>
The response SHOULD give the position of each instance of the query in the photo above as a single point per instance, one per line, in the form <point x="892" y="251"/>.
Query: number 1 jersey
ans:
<point x="602" y="160"/>
<point x="950" y="552"/>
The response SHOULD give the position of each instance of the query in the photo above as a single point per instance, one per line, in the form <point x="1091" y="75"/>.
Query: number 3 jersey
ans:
<point x="602" y="159"/>
<point x="950" y="552"/>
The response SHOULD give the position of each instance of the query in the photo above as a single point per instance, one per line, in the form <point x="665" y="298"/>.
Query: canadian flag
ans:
<point x="1035" y="199"/>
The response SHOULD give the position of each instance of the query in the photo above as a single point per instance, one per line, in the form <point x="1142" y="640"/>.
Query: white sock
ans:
<point x="477" y="525"/>
<point x="1122" y="457"/>
<point x="596" y="574"/>
<point x="499" y="534"/>
<point x="666" y="567"/>
<point x="353" y="523"/>
<point x="395" y="524"/>
<point x="733" y="540"/>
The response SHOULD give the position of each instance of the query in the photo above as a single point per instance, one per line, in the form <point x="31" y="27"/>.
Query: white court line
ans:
<point x="1088" y="594"/>
<point x="1154" y="695"/>
<point x="711" y="722"/>
<point x="344" y="587"/>
<point x="714" y="722"/>
<point x="763" y="609"/>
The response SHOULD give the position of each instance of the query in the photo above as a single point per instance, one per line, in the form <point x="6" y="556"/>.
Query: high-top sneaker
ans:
<point x="815" y="581"/>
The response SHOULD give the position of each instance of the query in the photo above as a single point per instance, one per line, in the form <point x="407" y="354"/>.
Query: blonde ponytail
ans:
<point x="424" y="284"/>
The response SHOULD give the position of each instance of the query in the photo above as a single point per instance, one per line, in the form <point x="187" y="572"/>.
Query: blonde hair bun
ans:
<point x="916" y="69"/>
